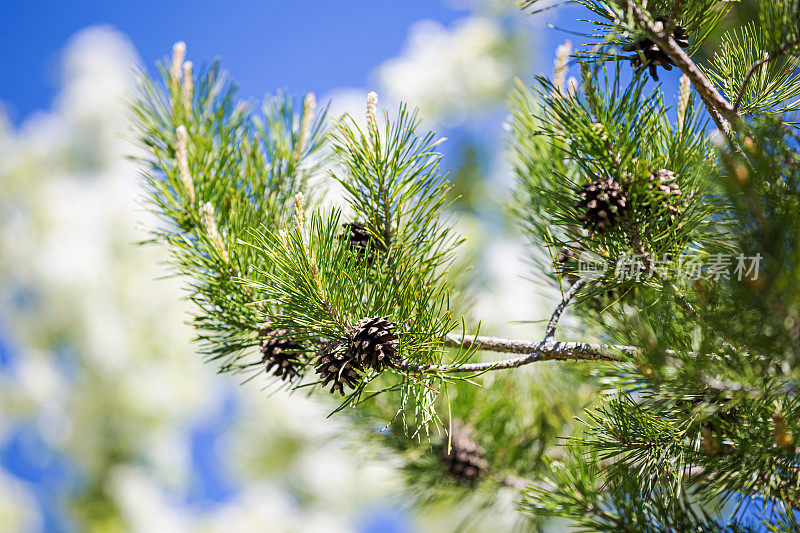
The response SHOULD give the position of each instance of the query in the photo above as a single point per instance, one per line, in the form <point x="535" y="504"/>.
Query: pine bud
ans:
<point x="572" y="87"/>
<point x="187" y="87"/>
<point x="372" y="112"/>
<point x="309" y="104"/>
<point x="182" y="154"/>
<point x="683" y="100"/>
<point x="209" y="221"/>
<point x="299" y="217"/>
<point x="589" y="90"/>
<point x="178" y="55"/>
<point x="764" y="67"/>
<point x="560" y="66"/>
<point x="783" y="437"/>
<point x="299" y="220"/>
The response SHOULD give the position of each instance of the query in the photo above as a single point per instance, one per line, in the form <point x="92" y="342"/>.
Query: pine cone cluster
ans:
<point x="361" y="241"/>
<point x="337" y="368"/>
<point x="280" y="354"/>
<point x="665" y="193"/>
<point x="465" y="461"/>
<point x="375" y="343"/>
<point x="603" y="201"/>
<point x="654" y="56"/>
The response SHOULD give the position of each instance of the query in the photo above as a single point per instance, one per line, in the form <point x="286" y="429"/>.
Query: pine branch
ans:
<point x="545" y="350"/>
<point x="553" y="323"/>
<point x="536" y="352"/>
<point x="719" y="108"/>
<point x="312" y="282"/>
<point x="782" y="51"/>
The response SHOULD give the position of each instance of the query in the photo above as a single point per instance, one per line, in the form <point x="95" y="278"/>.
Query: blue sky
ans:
<point x="298" y="44"/>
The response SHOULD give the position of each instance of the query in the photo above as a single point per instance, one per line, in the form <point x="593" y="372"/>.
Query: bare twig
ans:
<point x="553" y="324"/>
<point x="545" y="350"/>
<point x="716" y="116"/>
<point x="535" y="352"/>
<point x="515" y="482"/>
<point x="782" y="51"/>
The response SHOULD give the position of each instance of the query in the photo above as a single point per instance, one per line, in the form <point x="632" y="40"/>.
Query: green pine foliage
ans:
<point x="618" y="132"/>
<point x="613" y="21"/>
<point x="773" y="88"/>
<point x="257" y="165"/>
<point x="687" y="400"/>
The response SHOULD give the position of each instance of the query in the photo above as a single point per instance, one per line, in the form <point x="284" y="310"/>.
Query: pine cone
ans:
<point x="568" y="254"/>
<point x="465" y="461"/>
<point x="280" y="354"/>
<point x="568" y="257"/>
<point x="654" y="56"/>
<point x="337" y="368"/>
<point x="665" y="194"/>
<point x="375" y="343"/>
<point x="603" y="201"/>
<point x="362" y="242"/>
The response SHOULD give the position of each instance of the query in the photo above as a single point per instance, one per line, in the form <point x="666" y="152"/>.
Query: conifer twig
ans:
<point x="719" y="108"/>
<point x="782" y="51"/>
<point x="545" y="350"/>
<point x="535" y="352"/>
<point x="559" y="310"/>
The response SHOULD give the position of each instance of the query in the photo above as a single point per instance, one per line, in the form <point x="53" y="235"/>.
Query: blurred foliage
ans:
<point x="102" y="400"/>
